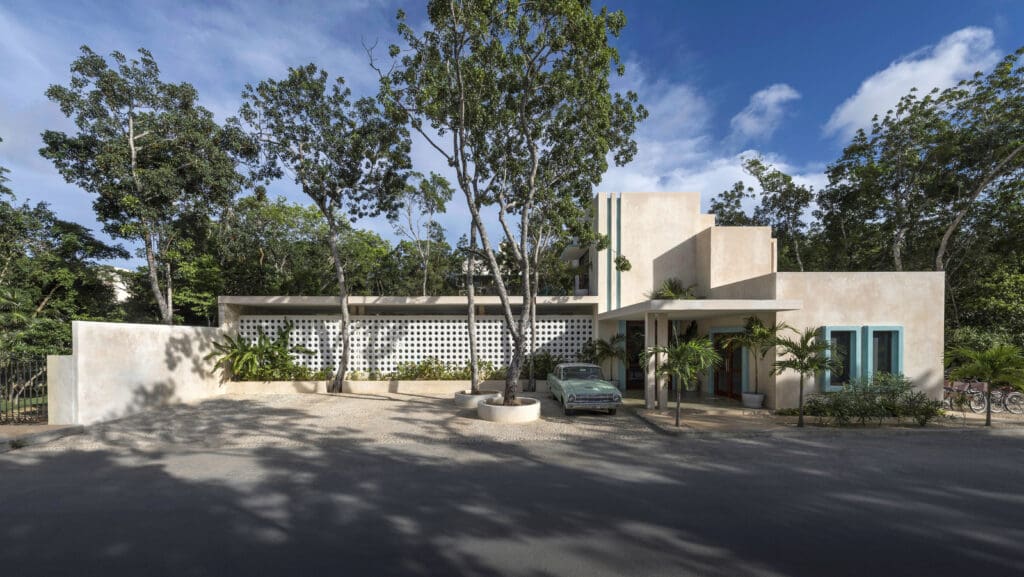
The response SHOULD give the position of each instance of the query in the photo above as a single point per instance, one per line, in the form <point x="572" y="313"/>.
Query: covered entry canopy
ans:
<point x="694" y="309"/>
<point x="657" y="313"/>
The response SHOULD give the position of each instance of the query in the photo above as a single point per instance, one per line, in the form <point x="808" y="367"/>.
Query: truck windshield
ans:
<point x="581" y="373"/>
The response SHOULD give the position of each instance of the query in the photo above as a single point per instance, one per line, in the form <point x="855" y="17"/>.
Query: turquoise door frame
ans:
<point x="709" y="378"/>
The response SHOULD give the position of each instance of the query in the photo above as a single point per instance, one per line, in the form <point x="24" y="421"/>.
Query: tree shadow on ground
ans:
<point x="243" y="486"/>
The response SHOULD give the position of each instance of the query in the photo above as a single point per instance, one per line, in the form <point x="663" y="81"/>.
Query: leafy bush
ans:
<point x="876" y="399"/>
<point x="543" y="363"/>
<point x="672" y="289"/>
<point x="264" y="359"/>
<point x="432" y="369"/>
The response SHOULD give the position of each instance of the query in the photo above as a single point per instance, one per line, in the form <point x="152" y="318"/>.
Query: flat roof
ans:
<point x="400" y="305"/>
<point x="700" y="308"/>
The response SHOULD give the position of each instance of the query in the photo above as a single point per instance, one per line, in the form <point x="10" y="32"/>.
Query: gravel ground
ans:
<point x="296" y="420"/>
<point x="406" y="485"/>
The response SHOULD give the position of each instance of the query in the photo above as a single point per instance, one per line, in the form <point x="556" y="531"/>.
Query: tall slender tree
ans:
<point x="515" y="97"/>
<point x="348" y="157"/>
<point x="154" y="158"/>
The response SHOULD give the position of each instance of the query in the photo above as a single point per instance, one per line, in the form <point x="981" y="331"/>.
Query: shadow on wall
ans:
<point x="246" y="488"/>
<point x="678" y="262"/>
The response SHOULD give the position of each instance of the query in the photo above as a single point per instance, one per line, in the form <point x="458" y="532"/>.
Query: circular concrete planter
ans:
<point x="753" y="400"/>
<point x="467" y="400"/>
<point x="527" y="410"/>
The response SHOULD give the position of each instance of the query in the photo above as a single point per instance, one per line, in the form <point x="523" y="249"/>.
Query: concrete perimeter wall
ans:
<point x="117" y="369"/>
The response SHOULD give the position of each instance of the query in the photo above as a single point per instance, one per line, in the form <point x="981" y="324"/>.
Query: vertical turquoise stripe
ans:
<point x="609" y="230"/>
<point x="618" y="249"/>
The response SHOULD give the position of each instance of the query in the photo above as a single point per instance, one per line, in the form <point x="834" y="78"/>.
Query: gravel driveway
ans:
<point x="404" y="485"/>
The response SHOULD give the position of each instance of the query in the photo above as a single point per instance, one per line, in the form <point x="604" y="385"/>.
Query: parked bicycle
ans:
<point x="964" y="394"/>
<point x="1008" y="399"/>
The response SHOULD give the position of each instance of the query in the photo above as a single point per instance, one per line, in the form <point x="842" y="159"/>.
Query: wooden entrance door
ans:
<point x="729" y="375"/>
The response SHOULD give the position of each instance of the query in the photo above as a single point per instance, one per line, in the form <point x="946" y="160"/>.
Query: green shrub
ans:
<point x="264" y="359"/>
<point x="543" y="363"/>
<point x="876" y="399"/>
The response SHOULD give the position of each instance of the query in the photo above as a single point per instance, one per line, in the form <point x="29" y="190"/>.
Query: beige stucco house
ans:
<point x="888" y="321"/>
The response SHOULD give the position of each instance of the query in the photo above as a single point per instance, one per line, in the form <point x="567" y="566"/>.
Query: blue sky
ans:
<point x="787" y="80"/>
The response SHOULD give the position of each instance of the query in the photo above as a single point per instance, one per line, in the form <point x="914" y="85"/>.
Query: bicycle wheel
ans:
<point x="1015" y="403"/>
<point x="997" y="401"/>
<point x="976" y="401"/>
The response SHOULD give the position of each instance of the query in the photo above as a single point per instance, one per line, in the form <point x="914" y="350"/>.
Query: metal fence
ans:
<point x="23" y="391"/>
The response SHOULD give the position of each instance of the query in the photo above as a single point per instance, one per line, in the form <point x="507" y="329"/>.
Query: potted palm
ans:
<point x="758" y="338"/>
<point x="998" y="365"/>
<point x="806" y="355"/>
<point x="685" y="360"/>
<point x="598" y="351"/>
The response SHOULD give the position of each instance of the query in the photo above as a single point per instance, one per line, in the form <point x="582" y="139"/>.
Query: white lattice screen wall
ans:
<point x="382" y="342"/>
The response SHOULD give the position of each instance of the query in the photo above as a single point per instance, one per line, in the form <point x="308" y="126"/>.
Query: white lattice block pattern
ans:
<point x="381" y="343"/>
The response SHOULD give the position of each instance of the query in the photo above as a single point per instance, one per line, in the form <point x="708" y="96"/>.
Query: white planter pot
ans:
<point x="528" y="410"/>
<point x="753" y="400"/>
<point x="467" y="400"/>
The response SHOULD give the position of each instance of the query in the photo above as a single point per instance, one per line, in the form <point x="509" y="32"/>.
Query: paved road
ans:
<point x="278" y="487"/>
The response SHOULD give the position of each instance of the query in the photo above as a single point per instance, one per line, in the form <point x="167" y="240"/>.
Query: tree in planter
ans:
<point x="807" y="354"/>
<point x="686" y="361"/>
<point x="997" y="365"/>
<point x="598" y="351"/>
<point x="349" y="158"/>
<point x="155" y="159"/>
<point x="515" y="97"/>
<point x="759" y="339"/>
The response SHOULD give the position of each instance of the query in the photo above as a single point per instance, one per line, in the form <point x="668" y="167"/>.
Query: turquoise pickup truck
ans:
<point x="580" y="386"/>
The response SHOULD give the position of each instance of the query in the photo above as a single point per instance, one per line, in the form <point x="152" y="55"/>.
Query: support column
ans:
<point x="649" y="341"/>
<point x="662" y="339"/>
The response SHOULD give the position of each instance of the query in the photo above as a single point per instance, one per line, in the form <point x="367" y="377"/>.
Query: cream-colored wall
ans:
<point x="738" y="253"/>
<point x="912" y="300"/>
<point x="120" y="368"/>
<point x="658" y="237"/>
<point x="61" y="389"/>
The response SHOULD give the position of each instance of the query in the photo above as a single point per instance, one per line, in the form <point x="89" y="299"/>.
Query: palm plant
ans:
<point x="685" y="360"/>
<point x="759" y="339"/>
<point x="998" y="365"/>
<point x="672" y="289"/>
<point x="598" y="351"/>
<point x="806" y="355"/>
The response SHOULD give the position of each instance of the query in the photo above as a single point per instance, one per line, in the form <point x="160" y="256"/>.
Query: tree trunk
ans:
<point x="796" y="252"/>
<point x="679" y="398"/>
<point x="166" y="314"/>
<point x="339" y="377"/>
<point x="899" y="238"/>
<point x="170" y="295"/>
<point x="940" y="254"/>
<point x="533" y="331"/>
<point x="800" y="419"/>
<point x="474" y="365"/>
<point x="988" y="404"/>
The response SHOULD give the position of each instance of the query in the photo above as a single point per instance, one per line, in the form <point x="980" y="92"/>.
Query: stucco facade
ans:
<point x="733" y="272"/>
<point x="733" y="275"/>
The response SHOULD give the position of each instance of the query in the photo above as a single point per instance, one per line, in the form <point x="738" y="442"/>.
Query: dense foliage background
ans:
<point x="935" y="184"/>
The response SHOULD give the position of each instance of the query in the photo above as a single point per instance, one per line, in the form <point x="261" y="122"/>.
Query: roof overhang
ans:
<point x="700" y="308"/>
<point x="401" y="305"/>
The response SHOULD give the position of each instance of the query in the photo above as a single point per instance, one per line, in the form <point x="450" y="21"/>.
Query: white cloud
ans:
<point x="676" y="148"/>
<point x="760" y="119"/>
<point x="955" y="57"/>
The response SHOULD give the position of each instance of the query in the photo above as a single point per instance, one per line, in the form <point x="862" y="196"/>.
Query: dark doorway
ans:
<point x="729" y="374"/>
<point x="635" y="376"/>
